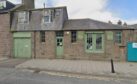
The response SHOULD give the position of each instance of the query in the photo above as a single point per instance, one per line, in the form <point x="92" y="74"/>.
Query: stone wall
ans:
<point x="77" y="51"/>
<point x="112" y="50"/>
<point x="5" y="36"/>
<point x="45" y="49"/>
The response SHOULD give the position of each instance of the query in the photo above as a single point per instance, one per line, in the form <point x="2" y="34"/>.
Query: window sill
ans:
<point x="121" y="45"/>
<point x="94" y="52"/>
<point x="74" y="43"/>
<point x="46" y="22"/>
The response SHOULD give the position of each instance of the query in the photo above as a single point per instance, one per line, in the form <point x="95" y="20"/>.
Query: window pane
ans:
<point x="98" y="41"/>
<point x="89" y="41"/>
<point x="59" y="42"/>
<point x="47" y="18"/>
<point x="118" y="37"/>
<point x="73" y="36"/>
<point x="2" y="4"/>
<point x="42" y="36"/>
<point x="59" y="34"/>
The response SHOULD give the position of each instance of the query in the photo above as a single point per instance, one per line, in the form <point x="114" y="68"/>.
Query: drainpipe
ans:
<point x="34" y="45"/>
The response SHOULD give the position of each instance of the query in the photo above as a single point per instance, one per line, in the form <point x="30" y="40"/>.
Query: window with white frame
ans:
<point x="2" y="4"/>
<point x="23" y="17"/>
<point x="47" y="18"/>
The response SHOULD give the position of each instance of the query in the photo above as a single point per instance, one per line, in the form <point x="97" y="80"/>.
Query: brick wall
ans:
<point x="112" y="49"/>
<point x="5" y="36"/>
<point x="45" y="49"/>
<point x="77" y="50"/>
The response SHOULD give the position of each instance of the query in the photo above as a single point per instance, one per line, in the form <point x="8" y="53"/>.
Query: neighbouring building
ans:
<point x="49" y="33"/>
<point x="6" y="42"/>
<point x="5" y="34"/>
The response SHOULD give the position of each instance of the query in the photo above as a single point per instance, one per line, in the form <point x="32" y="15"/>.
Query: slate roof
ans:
<point x="90" y="24"/>
<point x="133" y="26"/>
<point x="6" y="11"/>
<point x="10" y="7"/>
<point x="35" y="22"/>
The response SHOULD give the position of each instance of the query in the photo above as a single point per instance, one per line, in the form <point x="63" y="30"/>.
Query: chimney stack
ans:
<point x="119" y="22"/>
<point x="28" y="4"/>
<point x="109" y="22"/>
<point x="125" y="24"/>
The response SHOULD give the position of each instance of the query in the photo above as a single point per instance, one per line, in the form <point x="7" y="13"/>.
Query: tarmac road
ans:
<point x="18" y="76"/>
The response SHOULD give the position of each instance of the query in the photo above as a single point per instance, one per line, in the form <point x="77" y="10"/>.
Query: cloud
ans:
<point x="94" y="9"/>
<point x="15" y="1"/>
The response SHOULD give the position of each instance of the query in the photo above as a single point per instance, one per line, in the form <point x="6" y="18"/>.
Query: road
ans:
<point x="16" y="76"/>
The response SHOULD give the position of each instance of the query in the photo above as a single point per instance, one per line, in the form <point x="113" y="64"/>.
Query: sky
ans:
<point x="102" y="10"/>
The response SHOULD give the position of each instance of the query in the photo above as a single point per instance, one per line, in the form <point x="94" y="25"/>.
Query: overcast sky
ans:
<point x="102" y="10"/>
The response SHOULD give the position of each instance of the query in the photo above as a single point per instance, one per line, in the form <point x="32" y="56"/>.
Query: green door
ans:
<point x="59" y="45"/>
<point x="22" y="47"/>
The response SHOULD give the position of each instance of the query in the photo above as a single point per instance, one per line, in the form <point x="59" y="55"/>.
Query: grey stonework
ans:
<point x="77" y="50"/>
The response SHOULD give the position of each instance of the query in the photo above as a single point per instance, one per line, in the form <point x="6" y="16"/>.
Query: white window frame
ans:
<point x="2" y="4"/>
<point x="47" y="13"/>
<point x="49" y="19"/>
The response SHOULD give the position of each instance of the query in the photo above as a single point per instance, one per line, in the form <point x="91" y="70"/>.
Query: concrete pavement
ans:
<point x="19" y="76"/>
<point x="10" y="62"/>
<point x="97" y="68"/>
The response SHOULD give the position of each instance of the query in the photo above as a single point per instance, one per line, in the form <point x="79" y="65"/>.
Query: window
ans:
<point x="73" y="36"/>
<point x="89" y="41"/>
<point x="94" y="42"/>
<point x="98" y="41"/>
<point x="59" y="38"/>
<point x="23" y="17"/>
<point x="42" y="36"/>
<point x="47" y="19"/>
<point x="59" y="34"/>
<point x="118" y="37"/>
<point x="2" y="4"/>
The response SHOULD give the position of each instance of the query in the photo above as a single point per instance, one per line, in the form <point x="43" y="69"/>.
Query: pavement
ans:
<point x="84" y="67"/>
<point x="10" y="62"/>
<point x="20" y="76"/>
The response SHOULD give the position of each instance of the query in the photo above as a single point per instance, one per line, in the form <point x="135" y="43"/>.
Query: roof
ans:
<point x="35" y="22"/>
<point x="10" y="7"/>
<point x="6" y="11"/>
<point x="62" y="7"/>
<point x="133" y="26"/>
<point x="90" y="24"/>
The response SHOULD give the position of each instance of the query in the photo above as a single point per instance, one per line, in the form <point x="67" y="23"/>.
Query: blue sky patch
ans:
<point x="126" y="9"/>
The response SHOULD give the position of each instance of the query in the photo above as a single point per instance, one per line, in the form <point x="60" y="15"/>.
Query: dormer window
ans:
<point x="47" y="17"/>
<point x="23" y="17"/>
<point x="2" y="4"/>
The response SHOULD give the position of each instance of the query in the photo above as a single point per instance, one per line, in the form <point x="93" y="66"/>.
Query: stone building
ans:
<point x="5" y="34"/>
<point x="6" y="42"/>
<point x="49" y="33"/>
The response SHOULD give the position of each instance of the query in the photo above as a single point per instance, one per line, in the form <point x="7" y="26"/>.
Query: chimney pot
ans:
<point x="119" y="22"/>
<point x="28" y="4"/>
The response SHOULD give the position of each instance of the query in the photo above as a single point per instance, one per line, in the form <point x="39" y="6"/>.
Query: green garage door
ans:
<point x="22" y="45"/>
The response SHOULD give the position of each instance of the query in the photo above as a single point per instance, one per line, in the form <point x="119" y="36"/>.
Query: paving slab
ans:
<point x="123" y="69"/>
<point x="10" y="62"/>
